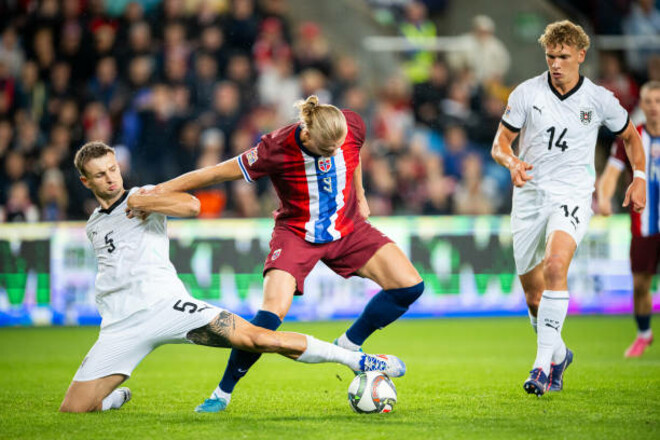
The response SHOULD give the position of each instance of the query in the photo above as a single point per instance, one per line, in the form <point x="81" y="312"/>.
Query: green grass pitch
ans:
<point x="464" y="381"/>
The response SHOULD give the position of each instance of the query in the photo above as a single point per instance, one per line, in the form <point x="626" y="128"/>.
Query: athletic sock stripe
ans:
<point x="556" y="298"/>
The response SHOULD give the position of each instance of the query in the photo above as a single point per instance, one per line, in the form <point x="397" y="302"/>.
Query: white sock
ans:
<point x="559" y="353"/>
<point x="533" y="320"/>
<point x="219" y="394"/>
<point x="346" y="343"/>
<point x="320" y="351"/>
<point x="551" y="315"/>
<point x="645" y="334"/>
<point x="114" y="400"/>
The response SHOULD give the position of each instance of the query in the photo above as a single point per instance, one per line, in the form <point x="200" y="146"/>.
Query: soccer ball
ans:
<point x="372" y="392"/>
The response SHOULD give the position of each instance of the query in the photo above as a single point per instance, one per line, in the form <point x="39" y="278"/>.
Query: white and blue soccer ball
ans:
<point x="372" y="392"/>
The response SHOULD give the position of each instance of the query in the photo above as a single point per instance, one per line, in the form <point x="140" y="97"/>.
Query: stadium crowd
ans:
<point x="175" y="85"/>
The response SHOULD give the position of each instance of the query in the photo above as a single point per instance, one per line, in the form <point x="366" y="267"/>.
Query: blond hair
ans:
<point x="564" y="33"/>
<point x="325" y="123"/>
<point x="91" y="150"/>
<point x="647" y="87"/>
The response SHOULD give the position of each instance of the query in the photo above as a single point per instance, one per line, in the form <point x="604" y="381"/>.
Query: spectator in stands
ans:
<point x="31" y="92"/>
<point x="278" y="87"/>
<point x="643" y="20"/>
<point x="53" y="198"/>
<point x="19" y="206"/>
<point x="312" y="50"/>
<point x="242" y="25"/>
<point x="613" y="78"/>
<point x="473" y="194"/>
<point x="204" y="82"/>
<point x="428" y="95"/>
<point x="482" y="52"/>
<point x="457" y="148"/>
<point x="11" y="53"/>
<point x="415" y="27"/>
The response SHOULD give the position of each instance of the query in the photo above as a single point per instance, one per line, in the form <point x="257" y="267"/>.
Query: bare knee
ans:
<point x="554" y="271"/>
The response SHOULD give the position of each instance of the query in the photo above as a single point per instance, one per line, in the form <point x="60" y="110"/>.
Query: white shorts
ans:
<point x="122" y="345"/>
<point x="533" y="222"/>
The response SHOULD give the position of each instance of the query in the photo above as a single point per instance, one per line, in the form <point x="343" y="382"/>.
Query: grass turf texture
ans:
<point x="464" y="381"/>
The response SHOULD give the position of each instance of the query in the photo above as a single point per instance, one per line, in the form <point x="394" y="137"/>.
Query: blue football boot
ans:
<point x="212" y="405"/>
<point x="556" y="378"/>
<point x="537" y="382"/>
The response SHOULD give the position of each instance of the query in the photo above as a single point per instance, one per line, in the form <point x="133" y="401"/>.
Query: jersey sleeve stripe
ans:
<point x="509" y="126"/>
<point x="243" y="170"/>
<point x="616" y="163"/>
<point x="616" y="133"/>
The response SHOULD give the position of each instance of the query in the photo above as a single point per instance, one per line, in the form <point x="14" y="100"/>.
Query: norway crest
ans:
<point x="585" y="115"/>
<point x="325" y="163"/>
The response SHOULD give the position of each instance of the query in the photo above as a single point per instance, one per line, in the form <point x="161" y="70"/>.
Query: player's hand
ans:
<point x="636" y="194"/>
<point x="363" y="207"/>
<point x="518" y="170"/>
<point x="605" y="207"/>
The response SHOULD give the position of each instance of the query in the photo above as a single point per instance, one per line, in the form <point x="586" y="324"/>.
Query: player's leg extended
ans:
<point x="392" y="270"/>
<point x="95" y="395"/>
<point x="229" y="330"/>
<point x="552" y="310"/>
<point x="279" y="288"/>
<point x="643" y="306"/>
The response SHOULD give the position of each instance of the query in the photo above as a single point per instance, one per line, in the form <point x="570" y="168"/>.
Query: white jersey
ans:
<point x="558" y="133"/>
<point x="134" y="268"/>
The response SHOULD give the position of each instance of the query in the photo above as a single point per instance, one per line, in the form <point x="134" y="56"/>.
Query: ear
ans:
<point x="582" y="53"/>
<point x="85" y="182"/>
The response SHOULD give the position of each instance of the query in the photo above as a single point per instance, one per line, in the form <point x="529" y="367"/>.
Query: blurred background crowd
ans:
<point x="176" y="85"/>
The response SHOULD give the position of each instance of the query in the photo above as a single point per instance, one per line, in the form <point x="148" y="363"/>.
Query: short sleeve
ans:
<point x="615" y="117"/>
<point x="255" y="162"/>
<point x="356" y="126"/>
<point x="515" y="114"/>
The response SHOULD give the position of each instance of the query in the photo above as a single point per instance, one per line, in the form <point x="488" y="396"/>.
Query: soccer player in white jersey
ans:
<point x="143" y="304"/>
<point x="557" y="115"/>
<point x="645" y="226"/>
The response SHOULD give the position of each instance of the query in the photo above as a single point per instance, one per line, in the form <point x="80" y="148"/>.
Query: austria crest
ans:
<point x="325" y="163"/>
<point x="585" y="115"/>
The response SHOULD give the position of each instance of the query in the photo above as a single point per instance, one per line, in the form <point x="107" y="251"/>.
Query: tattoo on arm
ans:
<point x="216" y="333"/>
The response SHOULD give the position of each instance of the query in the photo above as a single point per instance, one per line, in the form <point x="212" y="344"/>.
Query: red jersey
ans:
<point x="317" y="195"/>
<point x="647" y="222"/>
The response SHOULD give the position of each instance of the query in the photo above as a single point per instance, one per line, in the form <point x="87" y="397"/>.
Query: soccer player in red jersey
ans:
<point x="645" y="225"/>
<point x="314" y="165"/>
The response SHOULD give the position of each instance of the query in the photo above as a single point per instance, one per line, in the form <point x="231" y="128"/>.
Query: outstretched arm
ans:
<point x="503" y="155"/>
<point x="636" y="193"/>
<point x="175" y="204"/>
<point x="222" y="172"/>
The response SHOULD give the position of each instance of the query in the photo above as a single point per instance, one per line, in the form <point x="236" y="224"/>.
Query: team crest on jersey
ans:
<point x="252" y="156"/>
<point x="325" y="163"/>
<point x="508" y="111"/>
<point x="276" y="254"/>
<point x="585" y="115"/>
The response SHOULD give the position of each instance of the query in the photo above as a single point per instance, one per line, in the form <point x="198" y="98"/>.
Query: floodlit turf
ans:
<point x="464" y="381"/>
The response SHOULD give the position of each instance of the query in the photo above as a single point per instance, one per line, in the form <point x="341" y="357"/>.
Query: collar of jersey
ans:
<point x="567" y="94"/>
<point x="114" y="205"/>
<point x="300" y="144"/>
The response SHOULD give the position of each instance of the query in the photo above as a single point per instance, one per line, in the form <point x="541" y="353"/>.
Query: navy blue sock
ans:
<point x="240" y="361"/>
<point x="384" y="308"/>
<point x="643" y="322"/>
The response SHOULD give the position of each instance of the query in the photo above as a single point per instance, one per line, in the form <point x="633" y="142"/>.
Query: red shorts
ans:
<point x="645" y="254"/>
<point x="291" y="253"/>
